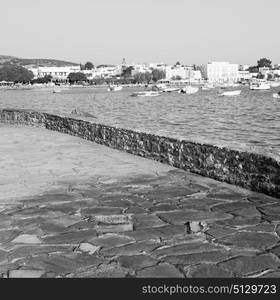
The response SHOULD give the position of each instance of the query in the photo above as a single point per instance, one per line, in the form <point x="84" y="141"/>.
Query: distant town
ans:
<point x="126" y="73"/>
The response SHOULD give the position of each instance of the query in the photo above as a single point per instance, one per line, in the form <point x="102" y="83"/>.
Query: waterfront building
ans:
<point x="244" y="75"/>
<point x="158" y="66"/>
<point x="264" y="71"/>
<point x="244" y="67"/>
<point x="184" y="72"/>
<point x="57" y="73"/>
<point x="194" y="76"/>
<point x="140" y="68"/>
<point x="175" y="71"/>
<point x="61" y="73"/>
<point x="90" y="74"/>
<point x="220" y="72"/>
<point x="102" y="71"/>
<point x="274" y="74"/>
<point x="107" y="71"/>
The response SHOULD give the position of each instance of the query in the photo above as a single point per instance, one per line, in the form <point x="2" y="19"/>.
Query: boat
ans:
<point x="229" y="85"/>
<point x="170" y="89"/>
<point x="146" y="94"/>
<point x="276" y="95"/>
<point x="274" y="83"/>
<point x="207" y="86"/>
<point x="56" y="91"/>
<point x="230" y="93"/>
<point x="259" y="85"/>
<point x="159" y="86"/>
<point x="114" y="88"/>
<point x="188" y="90"/>
<point x="163" y="88"/>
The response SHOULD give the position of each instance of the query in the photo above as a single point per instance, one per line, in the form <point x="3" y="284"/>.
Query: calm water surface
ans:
<point x="250" y="122"/>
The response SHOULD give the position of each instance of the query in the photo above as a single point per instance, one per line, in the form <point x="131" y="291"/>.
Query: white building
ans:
<point x="243" y="67"/>
<point x="106" y="71"/>
<point x="244" y="75"/>
<point x="175" y="71"/>
<point x="222" y="72"/>
<point x="194" y="76"/>
<point x="184" y="72"/>
<point x="61" y="73"/>
<point x="57" y="73"/>
<point x="158" y="66"/>
<point x="265" y="71"/>
<point x="140" y="68"/>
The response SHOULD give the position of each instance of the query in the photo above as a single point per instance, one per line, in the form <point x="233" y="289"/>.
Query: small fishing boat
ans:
<point x="230" y="93"/>
<point x="114" y="88"/>
<point x="171" y="89"/>
<point x="276" y="95"/>
<point x="163" y="88"/>
<point x="188" y="90"/>
<point x="146" y="94"/>
<point x="259" y="86"/>
<point x="274" y="83"/>
<point x="56" y="91"/>
<point x="207" y="87"/>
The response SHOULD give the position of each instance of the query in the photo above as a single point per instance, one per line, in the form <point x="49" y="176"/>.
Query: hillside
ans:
<point x="30" y="62"/>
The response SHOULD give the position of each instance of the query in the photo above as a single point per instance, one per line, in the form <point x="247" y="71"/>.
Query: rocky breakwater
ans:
<point x="249" y="170"/>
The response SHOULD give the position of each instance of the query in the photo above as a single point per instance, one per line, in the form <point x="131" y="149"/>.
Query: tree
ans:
<point x="142" y="77"/>
<point x="264" y="62"/>
<point x="77" y="77"/>
<point x="89" y="65"/>
<point x="138" y="77"/>
<point x="45" y="79"/>
<point x="158" y="74"/>
<point x="253" y="69"/>
<point x="10" y="72"/>
<point x="127" y="72"/>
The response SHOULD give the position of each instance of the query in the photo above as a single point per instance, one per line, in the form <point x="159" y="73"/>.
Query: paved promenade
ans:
<point x="73" y="208"/>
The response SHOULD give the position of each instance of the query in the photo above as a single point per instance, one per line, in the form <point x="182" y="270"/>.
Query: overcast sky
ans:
<point x="105" y="31"/>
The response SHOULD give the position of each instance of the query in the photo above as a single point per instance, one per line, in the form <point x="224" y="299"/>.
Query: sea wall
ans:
<point x="255" y="172"/>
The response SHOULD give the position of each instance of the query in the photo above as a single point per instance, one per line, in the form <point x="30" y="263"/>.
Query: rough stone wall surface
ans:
<point x="253" y="171"/>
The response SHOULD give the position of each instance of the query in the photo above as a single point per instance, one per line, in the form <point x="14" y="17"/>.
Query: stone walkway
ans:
<point x="71" y="208"/>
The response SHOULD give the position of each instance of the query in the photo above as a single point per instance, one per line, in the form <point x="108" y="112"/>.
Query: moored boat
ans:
<point x="170" y="90"/>
<point x="274" y="83"/>
<point x="276" y="95"/>
<point x="259" y="84"/>
<point x="188" y="90"/>
<point x="230" y="93"/>
<point x="207" y="86"/>
<point x="114" y="88"/>
<point x="163" y="88"/>
<point x="146" y="94"/>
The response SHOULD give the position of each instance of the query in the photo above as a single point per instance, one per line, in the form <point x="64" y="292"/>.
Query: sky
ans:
<point x="106" y="31"/>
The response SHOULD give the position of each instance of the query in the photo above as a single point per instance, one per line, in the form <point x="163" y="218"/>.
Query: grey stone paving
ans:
<point x="167" y="223"/>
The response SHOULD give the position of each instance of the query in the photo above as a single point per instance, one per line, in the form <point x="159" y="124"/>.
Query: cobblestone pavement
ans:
<point x="97" y="212"/>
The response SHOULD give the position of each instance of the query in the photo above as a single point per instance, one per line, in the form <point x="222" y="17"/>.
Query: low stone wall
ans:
<point x="256" y="172"/>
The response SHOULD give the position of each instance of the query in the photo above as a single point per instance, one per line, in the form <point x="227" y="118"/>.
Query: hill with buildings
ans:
<point x="34" y="62"/>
